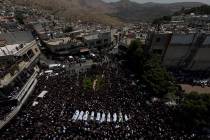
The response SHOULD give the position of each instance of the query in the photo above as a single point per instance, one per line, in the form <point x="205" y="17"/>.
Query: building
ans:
<point x="178" y="49"/>
<point x="158" y="42"/>
<point x="201" y="59"/>
<point x="99" y="39"/>
<point x="63" y="46"/>
<point x="188" y="51"/>
<point x="192" y="20"/>
<point x="19" y="55"/>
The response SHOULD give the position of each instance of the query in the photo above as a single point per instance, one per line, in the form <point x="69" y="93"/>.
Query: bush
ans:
<point x="195" y="110"/>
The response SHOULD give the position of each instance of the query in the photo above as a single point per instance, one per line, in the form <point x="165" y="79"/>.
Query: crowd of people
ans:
<point x="198" y="78"/>
<point x="51" y="118"/>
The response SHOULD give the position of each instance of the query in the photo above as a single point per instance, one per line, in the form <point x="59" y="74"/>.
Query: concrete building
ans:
<point x="63" y="46"/>
<point x="98" y="39"/>
<point x="201" y="59"/>
<point x="158" y="42"/>
<point x="178" y="49"/>
<point x="18" y="72"/>
<point x="183" y="51"/>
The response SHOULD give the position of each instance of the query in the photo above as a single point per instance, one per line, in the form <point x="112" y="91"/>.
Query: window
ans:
<point x="105" y="40"/>
<point x="36" y="50"/>
<point x="25" y="58"/>
<point x="158" y="39"/>
<point x="98" y="42"/>
<point x="30" y="54"/>
<point x="92" y="44"/>
<point x="157" y="51"/>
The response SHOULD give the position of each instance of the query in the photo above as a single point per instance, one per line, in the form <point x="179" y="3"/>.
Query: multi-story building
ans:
<point x="99" y="39"/>
<point x="187" y="51"/>
<point x="158" y="42"/>
<point x="18" y="72"/>
<point x="201" y="58"/>
<point x="178" y="49"/>
<point x="63" y="46"/>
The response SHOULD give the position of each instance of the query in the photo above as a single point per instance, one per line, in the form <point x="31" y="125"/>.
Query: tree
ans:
<point x="19" y="17"/>
<point x="195" y="110"/>
<point x="135" y="56"/>
<point x="149" y="70"/>
<point x="164" y="19"/>
<point x="157" y="79"/>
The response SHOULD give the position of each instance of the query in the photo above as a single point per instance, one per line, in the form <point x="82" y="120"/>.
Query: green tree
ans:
<point x="19" y="17"/>
<point x="196" y="110"/>
<point x="136" y="56"/>
<point x="164" y="19"/>
<point x="149" y="70"/>
<point x="157" y="79"/>
<point x="87" y="83"/>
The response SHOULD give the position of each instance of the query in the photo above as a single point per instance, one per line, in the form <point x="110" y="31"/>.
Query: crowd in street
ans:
<point x="198" y="78"/>
<point x="51" y="118"/>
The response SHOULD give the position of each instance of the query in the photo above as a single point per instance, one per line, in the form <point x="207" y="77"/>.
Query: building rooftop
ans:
<point x="59" y="41"/>
<point x="182" y="39"/>
<point x="13" y="49"/>
<point x="91" y="37"/>
<point x="19" y="37"/>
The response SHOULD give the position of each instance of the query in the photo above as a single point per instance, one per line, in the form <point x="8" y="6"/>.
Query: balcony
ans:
<point x="12" y="72"/>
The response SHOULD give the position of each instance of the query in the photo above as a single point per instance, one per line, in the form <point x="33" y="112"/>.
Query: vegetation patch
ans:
<point x="195" y="110"/>
<point x="87" y="83"/>
<point x="148" y="68"/>
<point x="93" y="83"/>
<point x="100" y="82"/>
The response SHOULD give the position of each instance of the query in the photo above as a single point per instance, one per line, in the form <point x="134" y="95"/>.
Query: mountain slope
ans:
<point x="88" y="10"/>
<point x="135" y="12"/>
<point x="108" y="13"/>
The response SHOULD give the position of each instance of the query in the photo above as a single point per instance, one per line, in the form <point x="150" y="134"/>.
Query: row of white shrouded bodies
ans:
<point x="100" y="117"/>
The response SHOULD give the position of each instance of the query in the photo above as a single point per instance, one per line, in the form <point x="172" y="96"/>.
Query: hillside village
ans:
<point x="86" y="78"/>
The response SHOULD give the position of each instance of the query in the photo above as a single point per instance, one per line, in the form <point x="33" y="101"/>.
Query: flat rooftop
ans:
<point x="58" y="41"/>
<point x="91" y="37"/>
<point x="12" y="49"/>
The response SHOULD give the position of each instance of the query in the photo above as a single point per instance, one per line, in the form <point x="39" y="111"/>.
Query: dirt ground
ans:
<point x="188" y="88"/>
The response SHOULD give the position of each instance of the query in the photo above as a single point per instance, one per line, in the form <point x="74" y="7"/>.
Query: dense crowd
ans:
<point x="191" y="77"/>
<point x="51" y="118"/>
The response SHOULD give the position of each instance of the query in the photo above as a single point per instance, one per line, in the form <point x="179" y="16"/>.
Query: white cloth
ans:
<point x="114" y="117"/>
<point x="103" y="118"/>
<point x="120" y="117"/>
<point x="35" y="103"/>
<point x="81" y="115"/>
<point x="126" y="117"/>
<point x="98" y="116"/>
<point x="85" y="117"/>
<point x="42" y="94"/>
<point x="92" y="116"/>
<point x="49" y="71"/>
<point x="75" y="116"/>
<point x="109" y="117"/>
